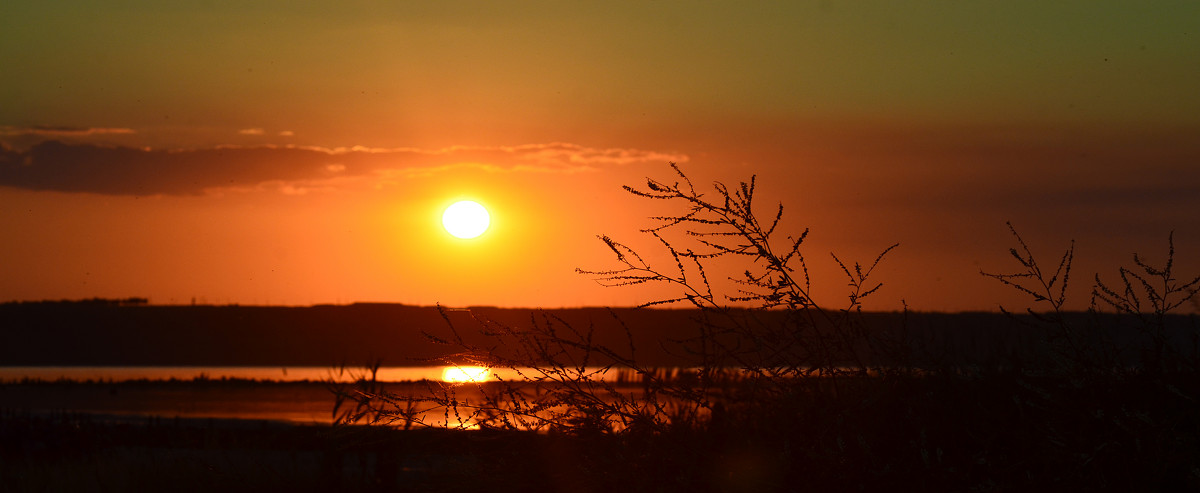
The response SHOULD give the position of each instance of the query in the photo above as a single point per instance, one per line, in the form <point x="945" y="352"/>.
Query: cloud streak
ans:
<point x="62" y="131"/>
<point x="88" y="168"/>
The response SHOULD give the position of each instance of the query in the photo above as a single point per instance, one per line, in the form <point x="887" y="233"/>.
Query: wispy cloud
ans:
<point x="564" y="154"/>
<point x="252" y="131"/>
<point x="87" y="168"/>
<point x="62" y="131"/>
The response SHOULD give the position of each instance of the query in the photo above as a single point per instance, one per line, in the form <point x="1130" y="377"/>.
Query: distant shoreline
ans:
<point x="118" y="334"/>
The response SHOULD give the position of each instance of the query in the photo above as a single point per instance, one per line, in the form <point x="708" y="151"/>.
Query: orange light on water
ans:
<point x="466" y="374"/>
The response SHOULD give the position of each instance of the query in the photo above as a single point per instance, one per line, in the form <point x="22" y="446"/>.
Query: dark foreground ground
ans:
<point x="79" y="453"/>
<point x="994" y="433"/>
<point x="73" y="452"/>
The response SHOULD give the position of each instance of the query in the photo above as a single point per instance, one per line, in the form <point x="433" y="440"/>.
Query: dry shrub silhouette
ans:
<point x="741" y="357"/>
<point x="1086" y="345"/>
<point x="812" y="393"/>
<point x="813" y="339"/>
<point x="1148" y="296"/>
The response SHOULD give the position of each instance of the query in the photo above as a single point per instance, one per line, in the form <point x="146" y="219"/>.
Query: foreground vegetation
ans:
<point x="791" y="394"/>
<point x="799" y="394"/>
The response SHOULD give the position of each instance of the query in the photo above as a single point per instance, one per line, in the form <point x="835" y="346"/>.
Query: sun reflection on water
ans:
<point x="466" y="374"/>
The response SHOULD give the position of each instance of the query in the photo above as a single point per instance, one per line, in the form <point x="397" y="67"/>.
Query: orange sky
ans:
<point x="299" y="153"/>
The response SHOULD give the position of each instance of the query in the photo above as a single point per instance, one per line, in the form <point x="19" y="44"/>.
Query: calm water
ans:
<point x="282" y="374"/>
<point x="295" y="394"/>
<point x="11" y="374"/>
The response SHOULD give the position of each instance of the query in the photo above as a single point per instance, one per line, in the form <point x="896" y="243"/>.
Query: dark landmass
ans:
<point x="132" y="333"/>
<point x="119" y="334"/>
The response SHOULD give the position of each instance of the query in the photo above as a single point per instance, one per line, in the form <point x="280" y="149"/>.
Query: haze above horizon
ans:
<point x="299" y="153"/>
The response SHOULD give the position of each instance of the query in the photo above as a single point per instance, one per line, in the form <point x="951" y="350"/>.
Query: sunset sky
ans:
<point x="302" y="152"/>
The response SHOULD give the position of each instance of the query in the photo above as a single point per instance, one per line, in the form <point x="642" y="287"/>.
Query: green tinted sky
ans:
<point x="352" y="65"/>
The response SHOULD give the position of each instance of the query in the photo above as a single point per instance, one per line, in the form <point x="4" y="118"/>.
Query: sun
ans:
<point x="466" y="219"/>
<point x="466" y="374"/>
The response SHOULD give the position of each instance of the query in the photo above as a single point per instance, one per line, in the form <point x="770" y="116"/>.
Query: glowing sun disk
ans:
<point x="466" y="219"/>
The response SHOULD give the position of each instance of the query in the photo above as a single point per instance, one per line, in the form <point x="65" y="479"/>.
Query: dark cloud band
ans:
<point x="88" y="168"/>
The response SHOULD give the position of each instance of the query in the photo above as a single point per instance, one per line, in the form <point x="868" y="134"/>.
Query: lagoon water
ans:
<point x="259" y="373"/>
<point x="113" y="374"/>
<point x="293" y="394"/>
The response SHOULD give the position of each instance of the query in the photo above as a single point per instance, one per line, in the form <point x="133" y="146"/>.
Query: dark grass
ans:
<point x="83" y="452"/>
<point x="932" y="433"/>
